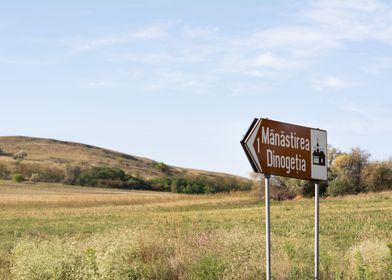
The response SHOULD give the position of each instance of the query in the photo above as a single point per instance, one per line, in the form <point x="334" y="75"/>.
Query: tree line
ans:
<point x="21" y="170"/>
<point x="349" y="172"/>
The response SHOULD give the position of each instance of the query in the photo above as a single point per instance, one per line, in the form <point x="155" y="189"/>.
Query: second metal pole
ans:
<point x="316" y="231"/>
<point x="267" y="228"/>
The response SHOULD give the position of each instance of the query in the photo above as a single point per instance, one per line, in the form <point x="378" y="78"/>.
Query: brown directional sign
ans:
<point x="288" y="150"/>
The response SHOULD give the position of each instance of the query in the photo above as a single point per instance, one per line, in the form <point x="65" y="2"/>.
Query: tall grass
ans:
<point x="187" y="237"/>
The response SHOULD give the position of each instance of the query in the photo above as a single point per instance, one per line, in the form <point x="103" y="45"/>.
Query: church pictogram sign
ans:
<point x="289" y="150"/>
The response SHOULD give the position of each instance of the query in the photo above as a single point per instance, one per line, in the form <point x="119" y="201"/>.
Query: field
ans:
<point x="52" y="231"/>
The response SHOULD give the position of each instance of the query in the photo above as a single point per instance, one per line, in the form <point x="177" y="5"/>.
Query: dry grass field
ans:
<point x="52" y="231"/>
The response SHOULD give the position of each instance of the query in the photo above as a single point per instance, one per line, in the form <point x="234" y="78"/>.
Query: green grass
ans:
<point x="51" y="231"/>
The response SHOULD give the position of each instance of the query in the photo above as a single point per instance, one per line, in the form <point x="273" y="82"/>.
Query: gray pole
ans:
<point x="316" y="232"/>
<point x="267" y="228"/>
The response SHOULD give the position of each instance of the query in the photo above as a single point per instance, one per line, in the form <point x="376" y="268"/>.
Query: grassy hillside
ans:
<point x="49" y="231"/>
<point x="49" y="160"/>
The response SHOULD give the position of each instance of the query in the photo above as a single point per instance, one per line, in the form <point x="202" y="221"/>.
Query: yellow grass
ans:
<point x="51" y="231"/>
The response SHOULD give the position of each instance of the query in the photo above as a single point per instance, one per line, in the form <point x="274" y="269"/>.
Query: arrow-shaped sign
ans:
<point x="247" y="144"/>
<point x="288" y="150"/>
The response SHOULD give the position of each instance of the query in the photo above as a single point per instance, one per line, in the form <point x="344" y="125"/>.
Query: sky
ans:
<point x="181" y="81"/>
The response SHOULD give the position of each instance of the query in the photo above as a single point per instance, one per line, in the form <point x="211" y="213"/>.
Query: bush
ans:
<point x="337" y="187"/>
<point x="17" y="178"/>
<point x="109" y="177"/>
<point x="197" y="185"/>
<point x="102" y="176"/>
<point x="377" y="176"/>
<point x="19" y="155"/>
<point x="162" y="167"/>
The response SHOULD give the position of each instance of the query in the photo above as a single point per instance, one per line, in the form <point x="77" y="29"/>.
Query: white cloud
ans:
<point x="207" y="32"/>
<point x="153" y="32"/>
<point x="352" y="21"/>
<point x="269" y="60"/>
<point x="100" y="84"/>
<point x="205" y="51"/>
<point x="330" y="82"/>
<point x="152" y="58"/>
<point x="323" y="26"/>
<point x="378" y="66"/>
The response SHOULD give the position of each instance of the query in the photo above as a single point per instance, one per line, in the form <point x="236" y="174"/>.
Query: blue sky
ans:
<point x="180" y="81"/>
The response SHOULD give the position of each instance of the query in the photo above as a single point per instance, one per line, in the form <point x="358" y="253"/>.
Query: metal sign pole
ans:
<point x="316" y="232"/>
<point x="267" y="228"/>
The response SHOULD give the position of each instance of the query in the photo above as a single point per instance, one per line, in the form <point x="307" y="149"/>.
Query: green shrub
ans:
<point x="136" y="183"/>
<point x="162" y="167"/>
<point x="197" y="185"/>
<point x="17" y="178"/>
<point x="101" y="176"/>
<point x="111" y="177"/>
<point x="337" y="187"/>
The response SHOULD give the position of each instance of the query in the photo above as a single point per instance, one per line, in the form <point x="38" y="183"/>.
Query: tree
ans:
<point x="346" y="172"/>
<point x="332" y="154"/>
<point x="377" y="176"/>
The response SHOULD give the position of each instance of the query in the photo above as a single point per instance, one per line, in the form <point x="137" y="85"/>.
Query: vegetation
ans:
<point x="19" y="155"/>
<point x="77" y="164"/>
<point x="17" y="178"/>
<point x="116" y="178"/>
<point x="348" y="173"/>
<point x="162" y="167"/>
<point x="52" y="231"/>
<point x="197" y="185"/>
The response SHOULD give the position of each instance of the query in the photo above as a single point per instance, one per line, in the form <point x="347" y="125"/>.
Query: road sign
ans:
<point x="288" y="150"/>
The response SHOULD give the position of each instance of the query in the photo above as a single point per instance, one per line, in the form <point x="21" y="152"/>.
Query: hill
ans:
<point x="50" y="160"/>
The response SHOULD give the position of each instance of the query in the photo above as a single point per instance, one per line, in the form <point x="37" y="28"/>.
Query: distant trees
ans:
<point x="346" y="172"/>
<point x="104" y="176"/>
<point x="197" y="184"/>
<point x="377" y="176"/>
<point x="349" y="172"/>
